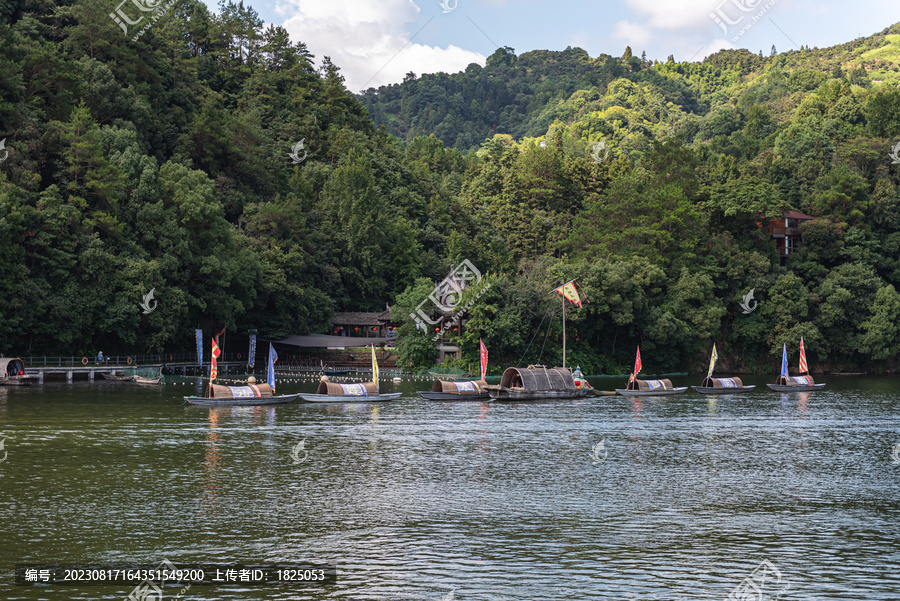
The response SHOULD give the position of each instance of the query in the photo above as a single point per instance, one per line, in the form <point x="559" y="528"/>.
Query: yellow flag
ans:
<point x="374" y="367"/>
<point x="568" y="291"/>
<point x="712" y="361"/>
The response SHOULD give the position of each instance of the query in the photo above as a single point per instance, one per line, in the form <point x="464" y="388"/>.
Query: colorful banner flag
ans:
<point x="199" y="335"/>
<point x="374" y="367"/>
<point x="222" y="331"/>
<point x="784" y="369"/>
<point x="712" y="361"/>
<point x="569" y="292"/>
<point x="251" y="356"/>
<point x="483" y="359"/>
<point x="637" y="365"/>
<point x="273" y="357"/>
<point x="804" y="369"/>
<point x="214" y="370"/>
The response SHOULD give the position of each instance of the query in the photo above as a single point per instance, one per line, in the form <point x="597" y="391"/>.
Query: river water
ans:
<point x="603" y="498"/>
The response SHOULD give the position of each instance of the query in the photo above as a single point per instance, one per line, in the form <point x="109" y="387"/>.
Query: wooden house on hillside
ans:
<point x="786" y="232"/>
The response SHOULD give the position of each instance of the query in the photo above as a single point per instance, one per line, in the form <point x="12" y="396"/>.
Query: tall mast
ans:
<point x="562" y="299"/>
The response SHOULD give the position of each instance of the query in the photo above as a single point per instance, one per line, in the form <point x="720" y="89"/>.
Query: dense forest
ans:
<point x="163" y="162"/>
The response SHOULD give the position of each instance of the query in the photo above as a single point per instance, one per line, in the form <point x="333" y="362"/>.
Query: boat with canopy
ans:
<point x="788" y="383"/>
<point x="359" y="392"/>
<point x="636" y="387"/>
<point x="473" y="390"/>
<point x="236" y="396"/>
<point x="713" y="385"/>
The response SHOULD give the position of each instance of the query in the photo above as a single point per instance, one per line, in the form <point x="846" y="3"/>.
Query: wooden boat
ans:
<point x="711" y="385"/>
<point x="535" y="382"/>
<point x="360" y="392"/>
<point x="787" y="383"/>
<point x="636" y="387"/>
<point x="475" y="390"/>
<point x="650" y="388"/>
<point x="114" y="377"/>
<point x="722" y="386"/>
<point x="141" y="380"/>
<point x="336" y="372"/>
<point x="12" y="373"/>
<point x="456" y="391"/>
<point x="238" y="396"/>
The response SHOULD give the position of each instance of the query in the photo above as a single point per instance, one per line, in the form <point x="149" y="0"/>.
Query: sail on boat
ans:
<point x="360" y="392"/>
<point x="713" y="385"/>
<point x="473" y="390"/>
<point x="788" y="383"/>
<point x="234" y="396"/>
<point x="636" y="387"/>
<point x="537" y="382"/>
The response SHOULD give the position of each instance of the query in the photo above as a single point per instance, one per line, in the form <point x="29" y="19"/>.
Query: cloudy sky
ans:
<point x="376" y="42"/>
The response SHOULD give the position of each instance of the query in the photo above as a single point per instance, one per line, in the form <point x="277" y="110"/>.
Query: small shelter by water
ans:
<point x="12" y="372"/>
<point x="536" y="382"/>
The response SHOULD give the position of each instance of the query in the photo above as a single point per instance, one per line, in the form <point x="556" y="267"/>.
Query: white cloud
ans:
<point x="678" y="14"/>
<point x="370" y="41"/>
<point x="633" y="34"/>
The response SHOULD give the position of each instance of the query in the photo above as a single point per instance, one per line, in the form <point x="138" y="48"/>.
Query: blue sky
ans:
<point x="376" y="42"/>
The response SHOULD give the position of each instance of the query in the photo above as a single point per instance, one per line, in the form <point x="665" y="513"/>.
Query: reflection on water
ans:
<point x="413" y="499"/>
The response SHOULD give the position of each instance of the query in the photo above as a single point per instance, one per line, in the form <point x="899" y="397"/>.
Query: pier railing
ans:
<point x="126" y="360"/>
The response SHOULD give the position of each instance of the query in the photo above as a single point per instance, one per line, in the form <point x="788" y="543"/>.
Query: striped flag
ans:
<point x="214" y="369"/>
<point x="804" y="369"/>
<point x="784" y="369"/>
<point x="712" y="361"/>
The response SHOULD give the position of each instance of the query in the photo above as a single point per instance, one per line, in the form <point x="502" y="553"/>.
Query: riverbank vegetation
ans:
<point x="165" y="163"/>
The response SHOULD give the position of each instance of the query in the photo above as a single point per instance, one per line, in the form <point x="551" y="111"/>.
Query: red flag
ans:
<point x="483" y="359"/>
<point x="803" y="367"/>
<point x="214" y="371"/>
<point x="637" y="365"/>
<point x="222" y="331"/>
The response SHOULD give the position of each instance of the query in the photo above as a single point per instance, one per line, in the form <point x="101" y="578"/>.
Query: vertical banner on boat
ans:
<point x="251" y="356"/>
<point x="803" y="367"/>
<point x="199" y="335"/>
<point x="712" y="361"/>
<point x="784" y="369"/>
<point x="270" y="376"/>
<point x="483" y="359"/>
<point x="213" y="367"/>
<point x="374" y="367"/>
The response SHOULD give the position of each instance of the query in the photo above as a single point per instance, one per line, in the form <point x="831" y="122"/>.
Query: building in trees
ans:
<point x="786" y="232"/>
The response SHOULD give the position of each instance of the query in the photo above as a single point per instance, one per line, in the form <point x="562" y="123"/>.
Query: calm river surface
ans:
<point x="684" y="499"/>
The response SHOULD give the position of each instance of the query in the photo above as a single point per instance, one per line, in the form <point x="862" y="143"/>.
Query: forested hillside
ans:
<point x="163" y="162"/>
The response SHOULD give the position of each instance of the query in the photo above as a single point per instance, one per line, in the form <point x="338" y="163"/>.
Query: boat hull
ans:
<point x="141" y="380"/>
<point x="708" y="390"/>
<point x="782" y="388"/>
<point x="26" y="380"/>
<point x="202" y="401"/>
<point x="446" y="396"/>
<point x="509" y="394"/>
<point x="115" y="378"/>
<point x="670" y="392"/>
<point x="332" y="398"/>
